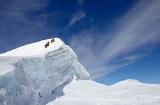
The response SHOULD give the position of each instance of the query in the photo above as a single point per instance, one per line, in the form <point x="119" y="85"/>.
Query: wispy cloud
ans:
<point x="18" y="19"/>
<point x="77" y="16"/>
<point x="132" y="57"/>
<point x="20" y="9"/>
<point x="80" y="2"/>
<point x="138" y="28"/>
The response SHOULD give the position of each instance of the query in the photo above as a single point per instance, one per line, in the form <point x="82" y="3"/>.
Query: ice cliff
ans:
<point x="35" y="75"/>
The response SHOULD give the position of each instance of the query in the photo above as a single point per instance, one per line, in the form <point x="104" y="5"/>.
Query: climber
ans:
<point x="52" y="40"/>
<point x="47" y="44"/>
<point x="53" y="91"/>
<point x="39" y="94"/>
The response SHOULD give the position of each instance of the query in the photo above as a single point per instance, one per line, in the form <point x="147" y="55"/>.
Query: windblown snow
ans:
<point x="37" y="75"/>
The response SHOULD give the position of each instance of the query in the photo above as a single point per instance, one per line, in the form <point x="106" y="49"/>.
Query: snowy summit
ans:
<point x="36" y="49"/>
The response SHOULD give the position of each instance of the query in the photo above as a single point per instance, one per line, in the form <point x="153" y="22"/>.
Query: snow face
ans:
<point x="35" y="49"/>
<point x="35" y="75"/>
<point x="128" y="92"/>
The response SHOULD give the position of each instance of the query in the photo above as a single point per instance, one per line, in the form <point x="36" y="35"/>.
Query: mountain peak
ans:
<point x="36" y="49"/>
<point x="36" y="73"/>
<point x="128" y="81"/>
<point x="131" y="81"/>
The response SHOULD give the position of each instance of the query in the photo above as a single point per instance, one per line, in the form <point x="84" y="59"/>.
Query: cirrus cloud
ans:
<point x="77" y="16"/>
<point x="137" y="29"/>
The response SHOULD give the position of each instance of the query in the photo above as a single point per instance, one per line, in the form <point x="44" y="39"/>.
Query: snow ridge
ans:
<point x="35" y="49"/>
<point x="29" y="77"/>
<point x="129" y="92"/>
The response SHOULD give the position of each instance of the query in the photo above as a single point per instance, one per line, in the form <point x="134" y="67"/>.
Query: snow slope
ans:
<point x="35" y="75"/>
<point x="35" y="49"/>
<point x="128" y="92"/>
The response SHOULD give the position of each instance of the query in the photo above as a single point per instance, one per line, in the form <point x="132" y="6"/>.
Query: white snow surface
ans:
<point x="128" y="92"/>
<point x="35" y="75"/>
<point x="35" y="49"/>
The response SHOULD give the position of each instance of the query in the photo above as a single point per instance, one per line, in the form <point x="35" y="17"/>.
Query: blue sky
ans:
<point x="114" y="39"/>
